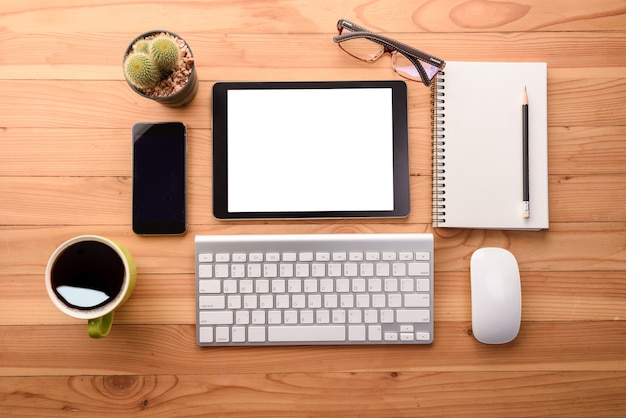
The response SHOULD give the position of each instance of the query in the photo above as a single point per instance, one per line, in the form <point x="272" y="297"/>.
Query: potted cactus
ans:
<point x="159" y="65"/>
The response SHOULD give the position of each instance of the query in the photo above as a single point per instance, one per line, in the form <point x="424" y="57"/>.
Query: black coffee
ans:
<point x="87" y="275"/>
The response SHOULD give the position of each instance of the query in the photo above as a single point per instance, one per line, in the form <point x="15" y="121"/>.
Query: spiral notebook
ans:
<point x="478" y="155"/>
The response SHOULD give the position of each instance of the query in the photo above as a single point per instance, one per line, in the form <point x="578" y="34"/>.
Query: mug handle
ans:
<point x="100" y="327"/>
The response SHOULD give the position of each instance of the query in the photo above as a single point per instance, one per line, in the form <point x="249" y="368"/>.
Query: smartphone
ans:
<point x="159" y="178"/>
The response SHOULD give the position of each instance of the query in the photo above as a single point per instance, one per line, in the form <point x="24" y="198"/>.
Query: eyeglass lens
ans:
<point x="362" y="48"/>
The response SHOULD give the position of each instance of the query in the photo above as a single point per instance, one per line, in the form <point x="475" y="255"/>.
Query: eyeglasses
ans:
<point x="407" y="61"/>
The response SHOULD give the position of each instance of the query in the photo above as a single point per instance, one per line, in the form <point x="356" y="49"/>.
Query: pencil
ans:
<point x="525" y="174"/>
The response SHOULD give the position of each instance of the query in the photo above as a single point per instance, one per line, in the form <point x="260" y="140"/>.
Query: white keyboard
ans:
<point x="314" y="289"/>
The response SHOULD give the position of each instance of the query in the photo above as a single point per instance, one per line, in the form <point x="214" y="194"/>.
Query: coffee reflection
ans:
<point x="87" y="275"/>
<point x="81" y="297"/>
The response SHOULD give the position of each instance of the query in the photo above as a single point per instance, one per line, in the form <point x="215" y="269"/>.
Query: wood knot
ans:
<point x="485" y="14"/>
<point x="119" y="384"/>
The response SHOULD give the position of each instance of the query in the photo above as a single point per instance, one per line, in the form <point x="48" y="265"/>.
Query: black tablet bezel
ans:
<point x="401" y="194"/>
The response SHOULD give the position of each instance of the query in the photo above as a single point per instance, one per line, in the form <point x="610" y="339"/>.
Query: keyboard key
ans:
<point x="302" y="270"/>
<point x="270" y="270"/>
<point x="256" y="334"/>
<point x="222" y="258"/>
<point x="234" y="302"/>
<point x="216" y="318"/>
<point x="422" y="336"/>
<point x="318" y="270"/>
<point x="240" y="258"/>
<point x="354" y="256"/>
<point x="391" y="336"/>
<point x="262" y="286"/>
<point x="305" y="256"/>
<point x="238" y="334"/>
<point x="422" y="256"/>
<point x="286" y="270"/>
<point x="205" y="271"/>
<point x="372" y="256"/>
<point x="417" y="300"/>
<point x="322" y="317"/>
<point x="342" y="256"/>
<point x="342" y="285"/>
<point x="322" y="256"/>
<point x="382" y="269"/>
<point x="209" y="286"/>
<point x="205" y="334"/>
<point x="272" y="257"/>
<point x="419" y="269"/>
<point x="398" y="269"/>
<point x="405" y="256"/>
<point x="242" y="317"/>
<point x="256" y="257"/>
<point x="310" y="285"/>
<point x="222" y="334"/>
<point x="327" y="285"/>
<point x="294" y="286"/>
<point x="313" y="333"/>
<point x="222" y="271"/>
<point x="258" y="317"/>
<point x="290" y="257"/>
<point x="413" y="316"/>
<point x="356" y="333"/>
<point x="254" y="271"/>
<point x="375" y="332"/>
<point x="306" y="317"/>
<point x="367" y="270"/>
<point x="283" y="301"/>
<point x="350" y="270"/>
<point x="423" y="285"/>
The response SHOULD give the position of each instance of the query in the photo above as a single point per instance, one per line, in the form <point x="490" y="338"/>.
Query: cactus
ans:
<point x="142" y="46"/>
<point x="141" y="71"/>
<point x="165" y="53"/>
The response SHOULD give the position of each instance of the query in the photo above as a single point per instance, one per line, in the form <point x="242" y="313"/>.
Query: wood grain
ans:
<point x="65" y="119"/>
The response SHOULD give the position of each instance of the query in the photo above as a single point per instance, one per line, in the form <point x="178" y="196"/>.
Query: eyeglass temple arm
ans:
<point x="342" y="23"/>
<point x="360" y="32"/>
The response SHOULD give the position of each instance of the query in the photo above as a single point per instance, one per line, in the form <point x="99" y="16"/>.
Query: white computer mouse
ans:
<point x="496" y="295"/>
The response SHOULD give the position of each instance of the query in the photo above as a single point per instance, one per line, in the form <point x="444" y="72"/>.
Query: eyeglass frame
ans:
<point x="389" y="46"/>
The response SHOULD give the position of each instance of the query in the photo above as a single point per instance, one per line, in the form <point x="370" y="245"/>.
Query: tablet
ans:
<point x="310" y="150"/>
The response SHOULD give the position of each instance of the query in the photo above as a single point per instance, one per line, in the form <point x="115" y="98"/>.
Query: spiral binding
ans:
<point x="437" y="101"/>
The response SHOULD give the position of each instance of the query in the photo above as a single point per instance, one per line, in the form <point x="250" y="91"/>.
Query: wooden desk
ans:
<point x="65" y="118"/>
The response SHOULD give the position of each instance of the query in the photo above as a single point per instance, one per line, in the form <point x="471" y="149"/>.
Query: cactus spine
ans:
<point x="141" y="71"/>
<point x="142" y="45"/>
<point x="165" y="53"/>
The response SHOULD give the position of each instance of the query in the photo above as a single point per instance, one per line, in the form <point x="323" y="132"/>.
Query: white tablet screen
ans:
<point x="310" y="150"/>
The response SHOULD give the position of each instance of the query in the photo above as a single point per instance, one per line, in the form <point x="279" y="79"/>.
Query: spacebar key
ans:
<point x="328" y="333"/>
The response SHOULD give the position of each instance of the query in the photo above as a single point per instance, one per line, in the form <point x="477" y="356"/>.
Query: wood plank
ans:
<point x="300" y="16"/>
<point x="573" y="103"/>
<point x="107" y="200"/>
<point x="244" y="56"/>
<point x="170" y="298"/>
<point x="383" y="394"/>
<point x="93" y="152"/>
<point x="171" y="349"/>
<point x="89" y="152"/>
<point x="566" y="247"/>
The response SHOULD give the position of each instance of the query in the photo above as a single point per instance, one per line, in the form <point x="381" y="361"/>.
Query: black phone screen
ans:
<point x="159" y="178"/>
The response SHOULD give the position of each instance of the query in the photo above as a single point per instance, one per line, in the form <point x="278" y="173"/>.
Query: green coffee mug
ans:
<point x="88" y="277"/>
